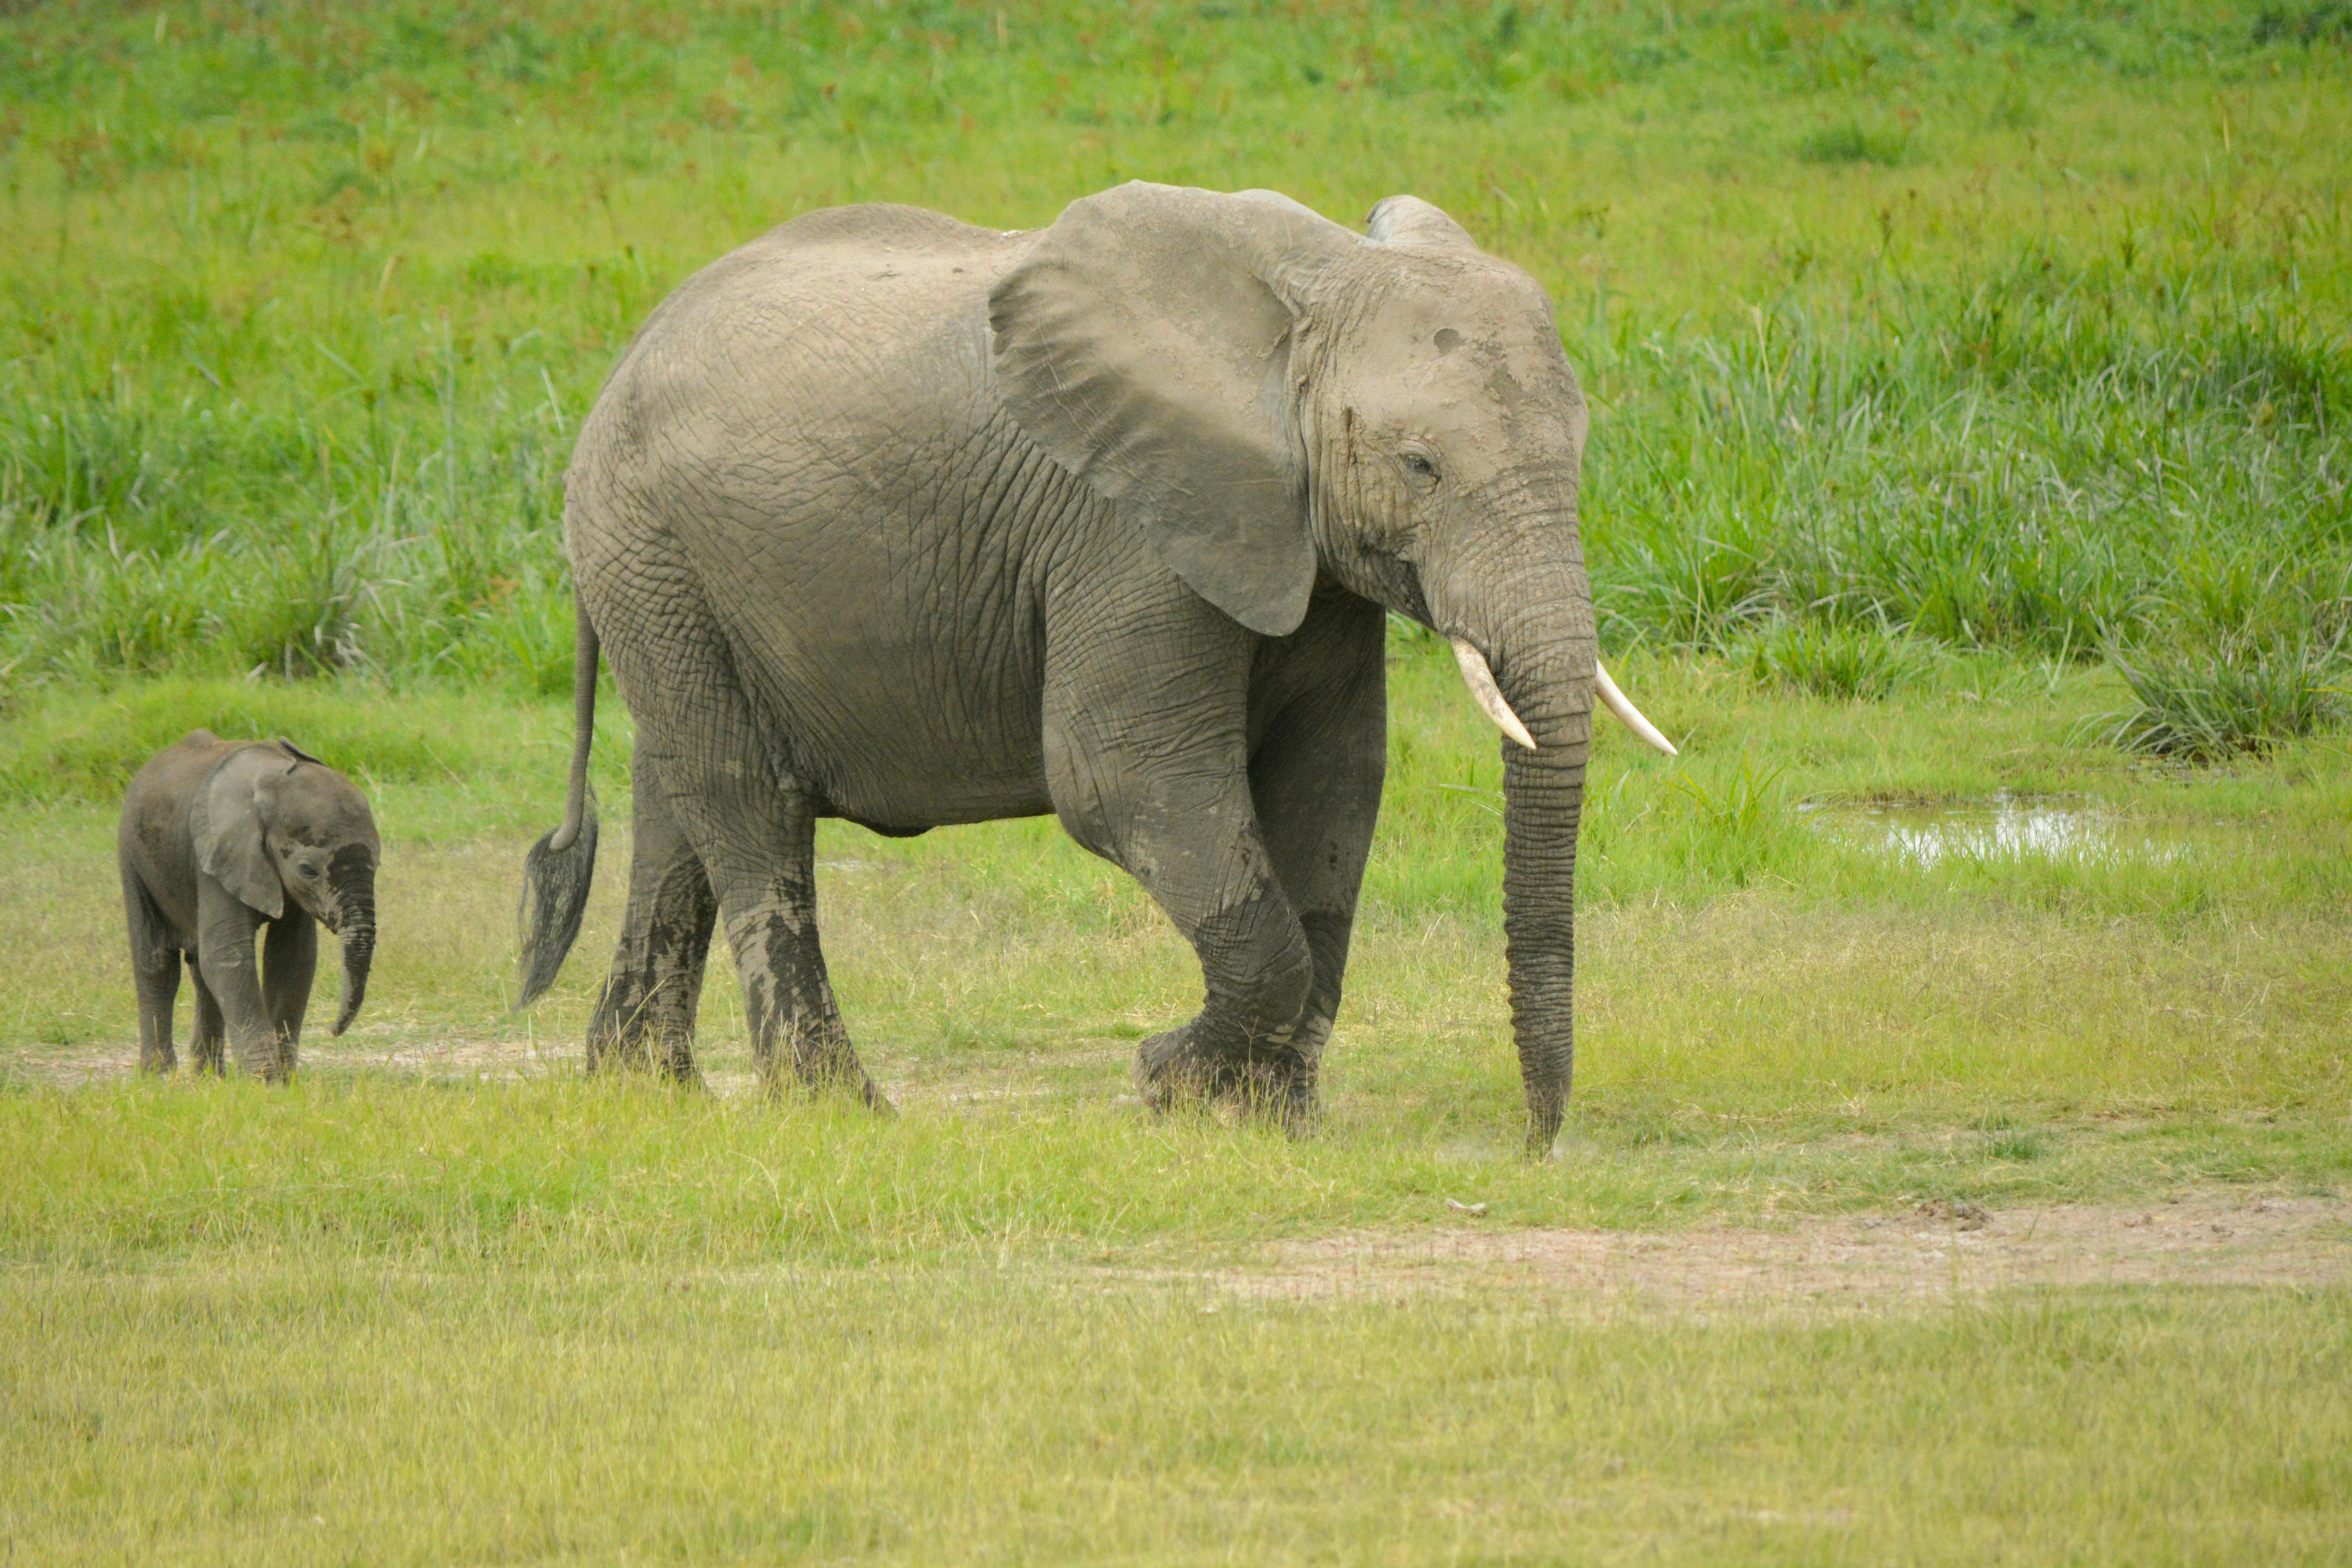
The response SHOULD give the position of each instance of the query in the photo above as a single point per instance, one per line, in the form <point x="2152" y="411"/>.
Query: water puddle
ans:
<point x="2008" y="827"/>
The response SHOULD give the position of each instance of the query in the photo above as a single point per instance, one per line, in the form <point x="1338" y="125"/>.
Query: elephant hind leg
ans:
<point x="645" y="1016"/>
<point x="752" y="828"/>
<point x="769" y="907"/>
<point x="155" y="974"/>
<point x="761" y="847"/>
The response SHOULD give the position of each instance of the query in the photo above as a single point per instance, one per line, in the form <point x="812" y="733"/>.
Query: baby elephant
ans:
<point x="219" y="839"/>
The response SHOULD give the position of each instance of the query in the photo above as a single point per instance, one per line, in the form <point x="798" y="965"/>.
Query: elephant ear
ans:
<point x="1146" y="344"/>
<point x="1409" y="220"/>
<point x="227" y="823"/>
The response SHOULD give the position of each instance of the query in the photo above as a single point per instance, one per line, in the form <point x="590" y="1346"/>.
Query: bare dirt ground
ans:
<point x="1935" y="1253"/>
<point x="406" y="1052"/>
<point x="440" y="1055"/>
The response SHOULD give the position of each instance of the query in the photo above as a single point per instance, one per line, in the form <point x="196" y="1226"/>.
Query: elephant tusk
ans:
<point x="1627" y="712"/>
<point x="1480" y="678"/>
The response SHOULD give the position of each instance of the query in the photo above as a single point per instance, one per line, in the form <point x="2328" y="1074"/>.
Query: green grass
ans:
<point x="2202" y="708"/>
<point x="791" y="1414"/>
<point x="1970" y="387"/>
<point x="1773" y="1003"/>
<point x="1831" y="660"/>
<point x="2016" y="329"/>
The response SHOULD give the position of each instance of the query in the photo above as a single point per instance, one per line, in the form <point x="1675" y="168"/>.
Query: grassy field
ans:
<point x="1968" y="498"/>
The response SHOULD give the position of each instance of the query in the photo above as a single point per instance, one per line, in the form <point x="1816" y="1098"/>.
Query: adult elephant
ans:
<point x="889" y="518"/>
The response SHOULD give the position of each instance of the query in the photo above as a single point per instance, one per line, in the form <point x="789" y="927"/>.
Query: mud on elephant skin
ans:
<point x="228" y="845"/>
<point x="889" y="518"/>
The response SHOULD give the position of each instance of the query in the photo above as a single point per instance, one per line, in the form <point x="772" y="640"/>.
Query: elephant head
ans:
<point x="1273" y="399"/>
<point x="274" y="822"/>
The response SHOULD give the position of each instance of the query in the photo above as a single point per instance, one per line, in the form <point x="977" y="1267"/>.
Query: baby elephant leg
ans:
<point x="289" y="962"/>
<point x="226" y="933"/>
<point x="207" y="1044"/>
<point x="155" y="974"/>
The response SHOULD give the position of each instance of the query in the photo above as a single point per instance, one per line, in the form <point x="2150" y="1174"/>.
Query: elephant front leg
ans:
<point x="289" y="962"/>
<point x="225" y="932"/>
<point x="1159" y="783"/>
<point x="1253" y="1040"/>
<point x="645" y="1016"/>
<point x="1316" y="782"/>
<point x="207" y="1041"/>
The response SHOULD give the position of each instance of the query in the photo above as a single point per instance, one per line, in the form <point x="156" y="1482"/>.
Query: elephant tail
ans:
<point x="557" y="872"/>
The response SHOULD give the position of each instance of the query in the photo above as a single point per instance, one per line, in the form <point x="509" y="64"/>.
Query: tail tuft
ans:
<point x="555" y="895"/>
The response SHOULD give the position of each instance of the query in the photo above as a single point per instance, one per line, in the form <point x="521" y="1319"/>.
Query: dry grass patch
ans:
<point x="256" y="1408"/>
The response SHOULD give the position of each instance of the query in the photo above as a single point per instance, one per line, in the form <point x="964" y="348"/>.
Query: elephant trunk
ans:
<point x="1543" y="800"/>
<point x="1528" y="619"/>
<point x="355" y="926"/>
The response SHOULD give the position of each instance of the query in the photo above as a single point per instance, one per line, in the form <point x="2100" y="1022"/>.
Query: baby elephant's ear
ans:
<point x="225" y="822"/>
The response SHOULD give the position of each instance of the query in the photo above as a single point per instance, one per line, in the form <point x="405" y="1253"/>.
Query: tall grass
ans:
<point x="2204" y="707"/>
<point x="140" y="541"/>
<point x="2069" y="451"/>
<point x="1830" y="659"/>
<point x="2015" y="330"/>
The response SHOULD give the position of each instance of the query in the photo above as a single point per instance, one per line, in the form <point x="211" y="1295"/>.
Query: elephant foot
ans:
<point x="1168" y="1070"/>
<point x="1272" y="1081"/>
<point x="827" y="1075"/>
<point x="667" y="1056"/>
<point x="854" y="1085"/>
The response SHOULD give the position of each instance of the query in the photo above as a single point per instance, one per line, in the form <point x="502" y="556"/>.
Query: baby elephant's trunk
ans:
<point x="356" y="925"/>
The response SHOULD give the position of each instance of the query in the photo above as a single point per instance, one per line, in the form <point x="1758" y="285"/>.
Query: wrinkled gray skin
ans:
<point x="889" y="518"/>
<point x="222" y="840"/>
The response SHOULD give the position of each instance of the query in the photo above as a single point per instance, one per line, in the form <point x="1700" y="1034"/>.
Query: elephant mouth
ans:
<point x="1479" y="676"/>
<point x="1478" y="671"/>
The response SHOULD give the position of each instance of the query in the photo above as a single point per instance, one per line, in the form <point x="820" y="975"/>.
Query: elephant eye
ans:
<point x="1419" y="467"/>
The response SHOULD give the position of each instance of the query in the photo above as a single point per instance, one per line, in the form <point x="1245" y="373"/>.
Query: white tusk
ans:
<point x="1626" y="711"/>
<point x="1480" y="679"/>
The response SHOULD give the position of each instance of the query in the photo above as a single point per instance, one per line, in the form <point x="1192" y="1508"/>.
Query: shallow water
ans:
<point x="2007" y="828"/>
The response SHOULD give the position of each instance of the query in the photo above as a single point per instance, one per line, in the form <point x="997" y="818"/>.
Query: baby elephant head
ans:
<point x="274" y="823"/>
